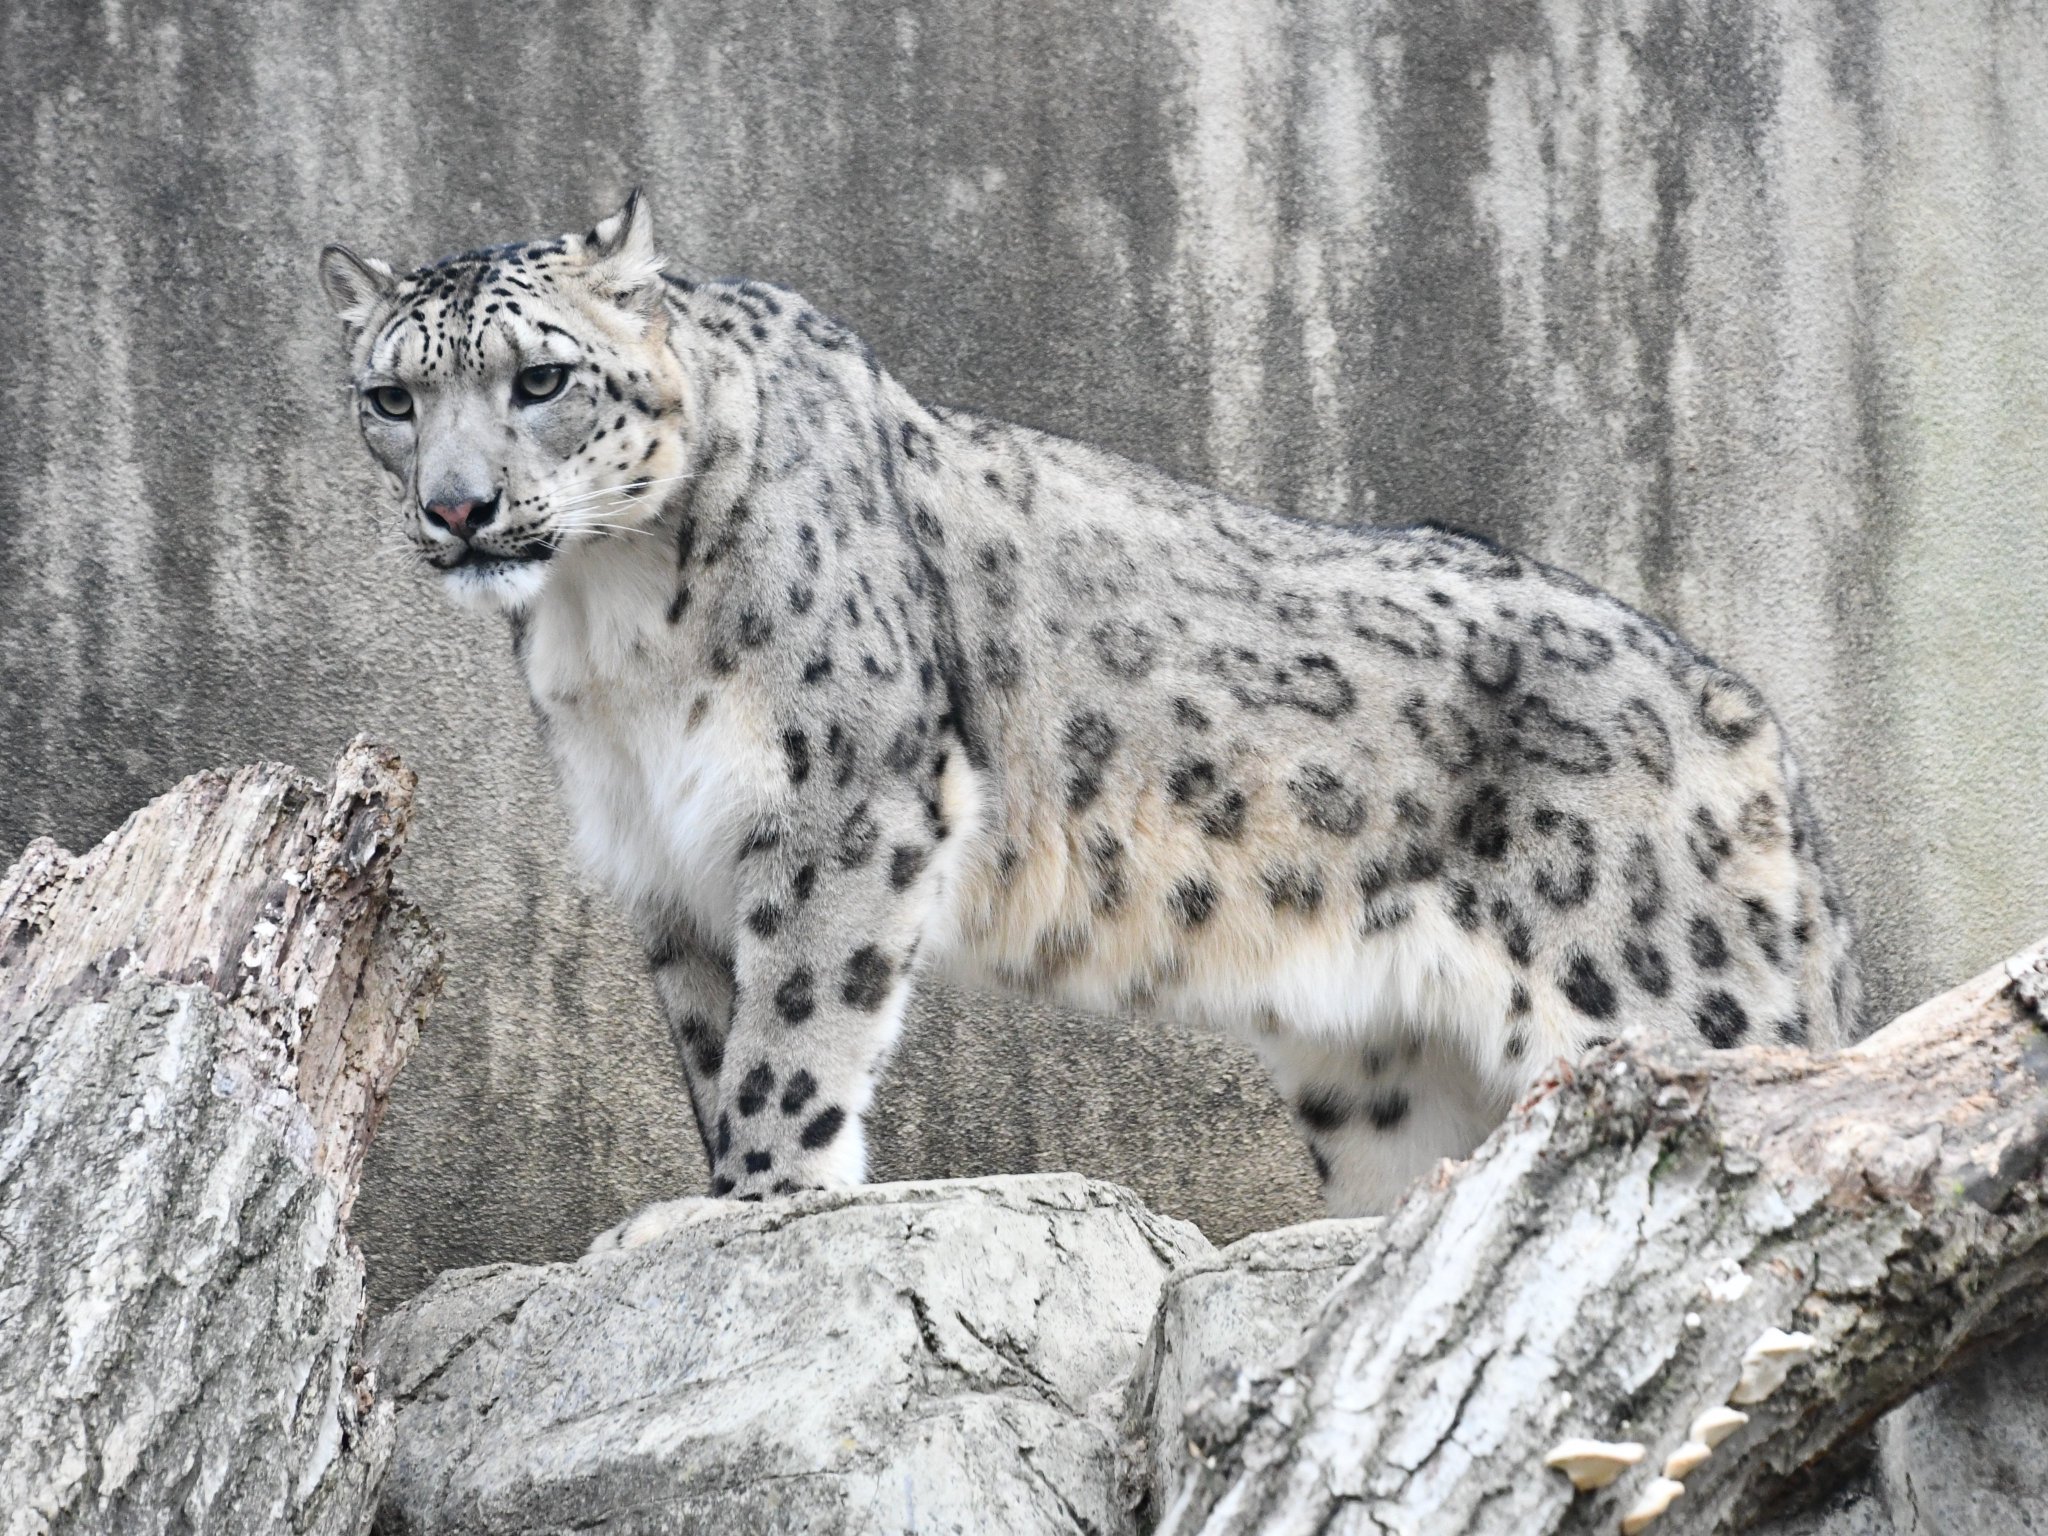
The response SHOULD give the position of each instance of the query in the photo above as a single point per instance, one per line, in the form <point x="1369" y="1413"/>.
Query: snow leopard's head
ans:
<point x="520" y="398"/>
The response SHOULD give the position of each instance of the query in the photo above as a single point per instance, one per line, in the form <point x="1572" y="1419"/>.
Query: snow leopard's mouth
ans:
<point x="529" y="552"/>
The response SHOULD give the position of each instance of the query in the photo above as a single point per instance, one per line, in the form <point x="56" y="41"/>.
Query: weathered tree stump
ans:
<point x="1603" y="1264"/>
<point x="200" y="1020"/>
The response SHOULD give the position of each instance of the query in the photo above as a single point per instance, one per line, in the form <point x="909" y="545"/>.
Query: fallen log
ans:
<point x="1659" y="1232"/>
<point x="200" y="1020"/>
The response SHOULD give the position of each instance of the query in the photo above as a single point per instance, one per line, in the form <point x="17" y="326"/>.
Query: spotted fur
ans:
<point x="842" y="687"/>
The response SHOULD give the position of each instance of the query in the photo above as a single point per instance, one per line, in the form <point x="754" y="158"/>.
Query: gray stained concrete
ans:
<point x="1735" y="309"/>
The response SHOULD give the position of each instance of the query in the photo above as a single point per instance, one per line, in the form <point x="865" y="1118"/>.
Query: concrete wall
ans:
<point x="1736" y="307"/>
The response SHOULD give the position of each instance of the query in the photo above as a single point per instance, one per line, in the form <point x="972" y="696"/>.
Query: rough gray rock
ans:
<point x="200" y="1020"/>
<point x="1218" y="1314"/>
<point x="913" y="1357"/>
<point x="1967" y="1457"/>
<point x="953" y="1357"/>
<point x="1970" y="1454"/>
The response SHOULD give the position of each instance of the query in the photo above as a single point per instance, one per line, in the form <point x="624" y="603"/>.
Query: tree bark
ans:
<point x="1601" y="1265"/>
<point x="200" y="1020"/>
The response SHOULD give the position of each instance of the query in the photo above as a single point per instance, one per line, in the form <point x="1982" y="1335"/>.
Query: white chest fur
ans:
<point x="662" y="775"/>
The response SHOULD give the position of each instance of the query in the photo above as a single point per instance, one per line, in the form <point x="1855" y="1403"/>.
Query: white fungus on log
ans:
<point x="1655" y="1500"/>
<point x="1593" y="1463"/>
<point x="1766" y="1363"/>
<point x="1715" y="1425"/>
<point x="1686" y="1458"/>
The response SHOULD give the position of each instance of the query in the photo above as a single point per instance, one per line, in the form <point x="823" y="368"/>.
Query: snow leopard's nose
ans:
<point x="462" y="518"/>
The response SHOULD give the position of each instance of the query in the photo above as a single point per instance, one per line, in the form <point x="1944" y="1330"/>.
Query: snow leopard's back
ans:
<point x="1231" y="741"/>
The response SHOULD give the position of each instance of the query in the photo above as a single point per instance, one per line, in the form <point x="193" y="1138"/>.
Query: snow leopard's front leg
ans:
<point x="693" y="984"/>
<point x="834" y="899"/>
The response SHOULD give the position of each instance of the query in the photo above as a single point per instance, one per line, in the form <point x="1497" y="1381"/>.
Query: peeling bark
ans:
<point x="1600" y="1266"/>
<point x="200" y="1021"/>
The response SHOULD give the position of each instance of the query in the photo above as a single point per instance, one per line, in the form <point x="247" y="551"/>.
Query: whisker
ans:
<point x="636" y="491"/>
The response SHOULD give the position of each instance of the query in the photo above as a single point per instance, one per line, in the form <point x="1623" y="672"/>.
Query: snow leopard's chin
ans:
<point x="495" y="586"/>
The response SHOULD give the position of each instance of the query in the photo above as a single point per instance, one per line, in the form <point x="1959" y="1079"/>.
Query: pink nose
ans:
<point x="455" y="515"/>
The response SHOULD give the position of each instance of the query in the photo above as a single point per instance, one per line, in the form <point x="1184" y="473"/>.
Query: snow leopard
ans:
<point x="843" y="689"/>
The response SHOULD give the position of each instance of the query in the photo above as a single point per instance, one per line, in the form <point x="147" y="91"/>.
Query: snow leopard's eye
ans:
<point x="391" y="402"/>
<point x="544" y="381"/>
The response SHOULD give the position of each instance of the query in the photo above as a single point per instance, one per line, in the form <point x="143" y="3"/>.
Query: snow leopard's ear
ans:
<point x="354" y="286"/>
<point x="623" y="262"/>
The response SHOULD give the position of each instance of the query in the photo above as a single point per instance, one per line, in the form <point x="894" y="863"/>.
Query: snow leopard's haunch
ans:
<point x="842" y="687"/>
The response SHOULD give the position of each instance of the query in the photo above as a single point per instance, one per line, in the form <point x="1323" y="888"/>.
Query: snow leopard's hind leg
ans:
<point x="1379" y="1113"/>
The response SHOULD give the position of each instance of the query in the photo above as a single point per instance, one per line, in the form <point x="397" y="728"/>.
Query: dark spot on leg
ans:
<point x="1090" y="741"/>
<point x="1709" y="948"/>
<point x="797" y="1092"/>
<point x="794" y="999"/>
<point x="823" y="1127"/>
<point x="1709" y="844"/>
<point x="1647" y="965"/>
<point x="759" y="1162"/>
<point x="1323" y="1109"/>
<point x="1568" y="884"/>
<point x="868" y="974"/>
<point x="1764" y="929"/>
<point x="796" y="751"/>
<point x="1464" y="905"/>
<point x="1106" y="853"/>
<point x="1387" y="1110"/>
<point x="905" y="865"/>
<point x="1585" y="988"/>
<point x="1721" y="1021"/>
<point x="1514" y="931"/>
<point x="755" y="1088"/>
<point x="1643" y="880"/>
<point x="765" y="919"/>
<point x="858" y="835"/>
